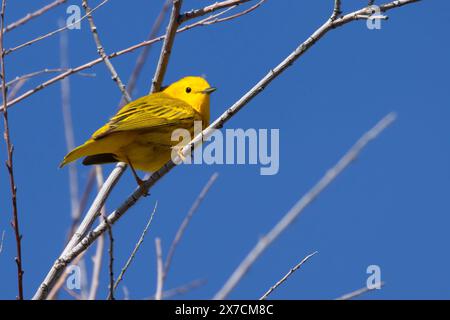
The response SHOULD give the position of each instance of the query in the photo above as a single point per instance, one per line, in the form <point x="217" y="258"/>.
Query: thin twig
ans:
<point x="337" y="10"/>
<point x="159" y="270"/>
<point x="98" y="258"/>
<point x="83" y="202"/>
<point x="111" y="259"/>
<point x="100" y="182"/>
<point x="234" y="16"/>
<point x="33" y="15"/>
<point x="68" y="126"/>
<point x="94" y="62"/>
<point x="143" y="56"/>
<point x="186" y="221"/>
<point x="276" y="285"/>
<point x="12" y="91"/>
<point x="44" y="71"/>
<point x="359" y="292"/>
<point x="167" y="46"/>
<point x="97" y="262"/>
<point x="52" y="33"/>
<point x="136" y="248"/>
<point x="103" y="55"/>
<point x="208" y="9"/>
<point x="265" y="241"/>
<point x="1" y="241"/>
<point x="9" y="162"/>
<point x="81" y="241"/>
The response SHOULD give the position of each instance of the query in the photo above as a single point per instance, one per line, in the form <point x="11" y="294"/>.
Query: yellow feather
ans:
<point x="140" y="133"/>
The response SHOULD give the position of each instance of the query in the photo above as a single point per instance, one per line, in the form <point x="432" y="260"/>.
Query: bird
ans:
<point x="139" y="134"/>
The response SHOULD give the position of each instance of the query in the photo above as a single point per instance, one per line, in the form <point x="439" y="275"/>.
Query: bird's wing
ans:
<point x="148" y="113"/>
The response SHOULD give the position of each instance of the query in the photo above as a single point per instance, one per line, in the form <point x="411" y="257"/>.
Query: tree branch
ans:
<point x="276" y="285"/>
<point x="358" y="292"/>
<point x="33" y="15"/>
<point x="103" y="55"/>
<point x="167" y="46"/>
<point x="301" y="205"/>
<point x="159" y="270"/>
<point x="136" y="248"/>
<point x="90" y="64"/>
<point x="186" y="221"/>
<point x="9" y="162"/>
<point x="52" y="33"/>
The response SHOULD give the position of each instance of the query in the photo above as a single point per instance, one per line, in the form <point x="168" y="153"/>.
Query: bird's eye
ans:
<point x="188" y="89"/>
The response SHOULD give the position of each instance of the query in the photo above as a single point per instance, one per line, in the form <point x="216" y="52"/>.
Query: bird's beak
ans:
<point x="209" y="90"/>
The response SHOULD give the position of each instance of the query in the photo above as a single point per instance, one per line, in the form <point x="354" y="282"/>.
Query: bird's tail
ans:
<point x="79" y="152"/>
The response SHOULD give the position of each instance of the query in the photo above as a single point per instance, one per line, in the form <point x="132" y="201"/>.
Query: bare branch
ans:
<point x="92" y="63"/>
<point x="159" y="270"/>
<point x="9" y="162"/>
<point x="146" y="51"/>
<point x="52" y="33"/>
<point x="68" y="126"/>
<point x="186" y="221"/>
<point x="83" y="202"/>
<point x="101" y="52"/>
<point x="209" y="9"/>
<point x="135" y="250"/>
<point x="98" y="258"/>
<point x="210" y="20"/>
<point x="44" y="71"/>
<point x="97" y="262"/>
<point x="301" y="205"/>
<point x="100" y="182"/>
<point x="61" y="281"/>
<point x="337" y="10"/>
<point x="276" y="285"/>
<point x="360" y="292"/>
<point x="111" y="259"/>
<point x="167" y="46"/>
<point x="33" y="15"/>
<point x="2" y="240"/>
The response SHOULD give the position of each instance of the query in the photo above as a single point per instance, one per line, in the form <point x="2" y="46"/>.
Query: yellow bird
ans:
<point x="140" y="133"/>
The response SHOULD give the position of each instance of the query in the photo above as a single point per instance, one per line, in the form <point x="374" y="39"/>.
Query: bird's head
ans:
<point x="195" y="91"/>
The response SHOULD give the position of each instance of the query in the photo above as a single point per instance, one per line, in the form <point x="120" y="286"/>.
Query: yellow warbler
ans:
<point x="140" y="133"/>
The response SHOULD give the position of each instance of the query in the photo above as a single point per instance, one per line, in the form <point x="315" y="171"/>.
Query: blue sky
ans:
<point x="390" y="208"/>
